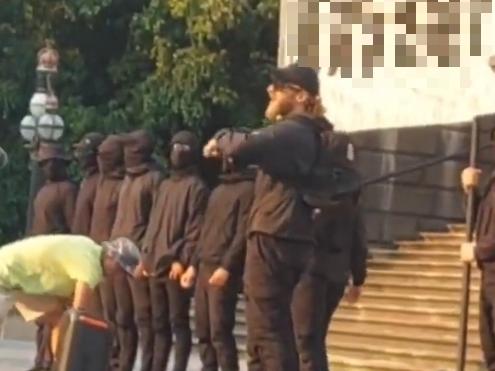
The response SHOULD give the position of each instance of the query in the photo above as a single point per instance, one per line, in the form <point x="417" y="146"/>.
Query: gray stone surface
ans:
<point x="429" y="198"/>
<point x="18" y="356"/>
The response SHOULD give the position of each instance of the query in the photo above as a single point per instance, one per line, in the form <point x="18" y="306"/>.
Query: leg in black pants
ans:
<point x="142" y="315"/>
<point x="487" y="323"/>
<point x="162" y="331"/>
<point x="215" y="321"/>
<point x="309" y="316"/>
<point x="179" y="304"/>
<point x="109" y="307"/>
<point x="207" y="352"/>
<point x="334" y="293"/>
<point x="126" y="327"/>
<point x="44" y="357"/>
<point x="273" y="268"/>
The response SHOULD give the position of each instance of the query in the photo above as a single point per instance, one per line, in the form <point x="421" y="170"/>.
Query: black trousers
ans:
<point x="215" y="320"/>
<point x="125" y="324"/>
<point x="141" y="298"/>
<point x="487" y="322"/>
<point x="313" y="304"/>
<point x="170" y="313"/>
<point x="44" y="356"/>
<point x="107" y="308"/>
<point x="273" y="269"/>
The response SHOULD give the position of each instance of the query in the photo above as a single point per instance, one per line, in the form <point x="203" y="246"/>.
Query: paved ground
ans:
<point x="17" y="347"/>
<point x="18" y="356"/>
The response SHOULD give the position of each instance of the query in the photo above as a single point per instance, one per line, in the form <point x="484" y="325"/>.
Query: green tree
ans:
<point x="163" y="65"/>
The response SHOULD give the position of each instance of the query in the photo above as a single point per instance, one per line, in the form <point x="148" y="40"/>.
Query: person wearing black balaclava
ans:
<point x="111" y="169"/>
<point x="85" y="152"/>
<point x="218" y="263"/>
<point x="169" y="244"/>
<point x="53" y="213"/>
<point x="137" y="191"/>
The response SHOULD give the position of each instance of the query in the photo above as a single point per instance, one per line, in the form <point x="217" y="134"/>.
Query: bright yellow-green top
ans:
<point x="50" y="264"/>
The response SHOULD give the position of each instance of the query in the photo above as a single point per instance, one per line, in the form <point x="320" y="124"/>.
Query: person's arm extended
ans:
<point x="285" y="149"/>
<point x="83" y="297"/>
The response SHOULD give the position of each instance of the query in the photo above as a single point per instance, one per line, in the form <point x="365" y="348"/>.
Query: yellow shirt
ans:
<point x="50" y="264"/>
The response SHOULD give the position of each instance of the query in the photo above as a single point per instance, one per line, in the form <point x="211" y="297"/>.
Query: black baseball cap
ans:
<point x="304" y="77"/>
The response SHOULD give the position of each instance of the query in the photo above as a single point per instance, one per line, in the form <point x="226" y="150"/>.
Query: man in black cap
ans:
<point x="280" y="240"/>
<point x="85" y="152"/>
<point x="169" y="244"/>
<point x="53" y="213"/>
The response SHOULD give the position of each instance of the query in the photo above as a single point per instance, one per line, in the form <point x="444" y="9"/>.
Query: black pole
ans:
<point x="422" y="165"/>
<point x="466" y="266"/>
<point x="35" y="183"/>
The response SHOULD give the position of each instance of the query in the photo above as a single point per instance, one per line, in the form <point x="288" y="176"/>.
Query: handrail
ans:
<point x="422" y="165"/>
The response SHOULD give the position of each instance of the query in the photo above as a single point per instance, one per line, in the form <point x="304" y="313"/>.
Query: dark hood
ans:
<point x="138" y="149"/>
<point x="184" y="152"/>
<point x="111" y="156"/>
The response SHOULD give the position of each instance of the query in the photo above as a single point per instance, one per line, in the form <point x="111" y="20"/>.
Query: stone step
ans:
<point x="416" y="255"/>
<point x="417" y="359"/>
<point x="371" y="295"/>
<point x="411" y="287"/>
<point x="444" y="236"/>
<point x="440" y="340"/>
<point x="447" y="325"/>
<point x="342" y="363"/>
<point x="417" y="266"/>
<point x="440" y="349"/>
<point x="431" y="278"/>
<point x="457" y="228"/>
<point x="429" y="246"/>
<point x="414" y="314"/>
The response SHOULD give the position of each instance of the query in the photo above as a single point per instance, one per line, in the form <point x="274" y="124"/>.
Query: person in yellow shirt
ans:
<point x="42" y="276"/>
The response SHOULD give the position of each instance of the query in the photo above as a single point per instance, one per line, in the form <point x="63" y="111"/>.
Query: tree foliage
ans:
<point x="159" y="64"/>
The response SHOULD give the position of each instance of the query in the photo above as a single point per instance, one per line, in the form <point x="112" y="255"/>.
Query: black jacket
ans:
<point x="223" y="236"/>
<point x="175" y="222"/>
<point x="341" y="252"/>
<point x="285" y="153"/>
<point x="485" y="227"/>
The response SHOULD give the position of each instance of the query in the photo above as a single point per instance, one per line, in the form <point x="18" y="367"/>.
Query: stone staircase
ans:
<point x="408" y="316"/>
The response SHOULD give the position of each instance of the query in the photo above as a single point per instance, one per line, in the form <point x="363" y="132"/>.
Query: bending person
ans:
<point x="43" y="276"/>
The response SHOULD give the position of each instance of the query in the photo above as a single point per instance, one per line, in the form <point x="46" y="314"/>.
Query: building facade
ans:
<point x="406" y="83"/>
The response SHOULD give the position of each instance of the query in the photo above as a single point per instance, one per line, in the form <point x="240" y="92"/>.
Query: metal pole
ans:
<point x="466" y="266"/>
<point x="35" y="183"/>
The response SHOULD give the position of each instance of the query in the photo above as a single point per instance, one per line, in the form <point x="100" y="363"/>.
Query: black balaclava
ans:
<point x="111" y="156"/>
<point x="138" y="149"/>
<point x="86" y="152"/>
<point x="54" y="170"/>
<point x="184" y="151"/>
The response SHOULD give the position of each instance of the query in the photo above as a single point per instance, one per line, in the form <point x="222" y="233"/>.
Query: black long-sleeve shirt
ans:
<point x="223" y="236"/>
<point x="175" y="223"/>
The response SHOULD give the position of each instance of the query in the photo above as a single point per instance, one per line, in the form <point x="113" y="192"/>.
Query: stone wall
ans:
<point x="427" y="199"/>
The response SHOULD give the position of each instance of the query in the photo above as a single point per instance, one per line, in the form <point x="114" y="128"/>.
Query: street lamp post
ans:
<point x="42" y="124"/>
